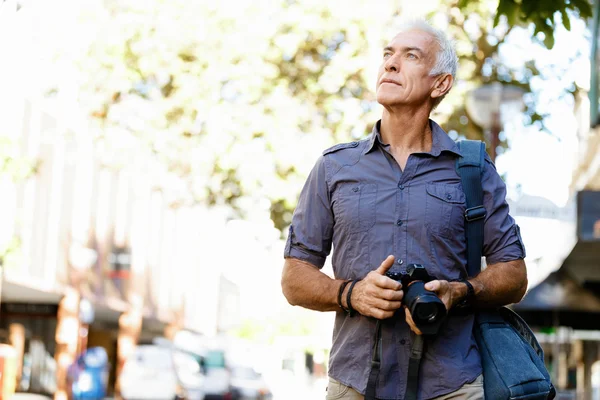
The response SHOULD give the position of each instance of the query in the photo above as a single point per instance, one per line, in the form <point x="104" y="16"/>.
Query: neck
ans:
<point x="407" y="130"/>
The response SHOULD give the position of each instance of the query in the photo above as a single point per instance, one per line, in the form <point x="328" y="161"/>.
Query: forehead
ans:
<point x="415" y="38"/>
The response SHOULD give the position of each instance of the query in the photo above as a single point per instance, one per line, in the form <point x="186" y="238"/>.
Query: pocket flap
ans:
<point x="355" y="189"/>
<point x="447" y="193"/>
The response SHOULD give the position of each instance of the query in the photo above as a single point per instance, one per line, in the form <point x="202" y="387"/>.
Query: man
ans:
<point x="392" y="199"/>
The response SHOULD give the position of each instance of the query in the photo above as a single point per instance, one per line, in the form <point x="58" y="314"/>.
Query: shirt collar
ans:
<point x="441" y="141"/>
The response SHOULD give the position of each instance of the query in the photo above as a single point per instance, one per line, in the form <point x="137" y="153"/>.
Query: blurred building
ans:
<point x="78" y="226"/>
<point x="105" y="233"/>
<point x="564" y="304"/>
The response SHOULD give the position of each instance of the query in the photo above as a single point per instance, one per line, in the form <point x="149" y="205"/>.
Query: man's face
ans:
<point x="403" y="77"/>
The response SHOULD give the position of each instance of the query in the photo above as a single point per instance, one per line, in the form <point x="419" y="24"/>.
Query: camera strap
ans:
<point x="375" y="363"/>
<point x="416" y="353"/>
<point x="412" y="382"/>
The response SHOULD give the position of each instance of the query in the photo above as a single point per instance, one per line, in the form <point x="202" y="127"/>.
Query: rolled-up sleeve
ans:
<point x="310" y="233"/>
<point x="502" y="239"/>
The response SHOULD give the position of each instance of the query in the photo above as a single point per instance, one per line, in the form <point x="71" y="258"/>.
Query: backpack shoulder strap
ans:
<point x="470" y="168"/>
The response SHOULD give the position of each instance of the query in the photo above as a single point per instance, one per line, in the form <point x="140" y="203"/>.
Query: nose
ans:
<point x="391" y="64"/>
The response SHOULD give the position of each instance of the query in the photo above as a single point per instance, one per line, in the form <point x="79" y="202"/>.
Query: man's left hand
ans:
<point x="445" y="291"/>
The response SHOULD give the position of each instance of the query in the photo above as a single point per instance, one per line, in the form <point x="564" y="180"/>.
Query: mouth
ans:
<point x="390" y="82"/>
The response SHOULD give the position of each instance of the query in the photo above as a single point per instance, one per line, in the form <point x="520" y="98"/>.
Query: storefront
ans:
<point x="564" y="308"/>
<point x="28" y="322"/>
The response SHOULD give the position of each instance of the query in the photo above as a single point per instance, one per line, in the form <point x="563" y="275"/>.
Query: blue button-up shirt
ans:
<point x="359" y="200"/>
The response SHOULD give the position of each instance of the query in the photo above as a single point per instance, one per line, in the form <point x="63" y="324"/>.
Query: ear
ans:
<point x="442" y="85"/>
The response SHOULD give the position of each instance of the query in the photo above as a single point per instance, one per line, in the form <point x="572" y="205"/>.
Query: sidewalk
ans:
<point x="29" y="396"/>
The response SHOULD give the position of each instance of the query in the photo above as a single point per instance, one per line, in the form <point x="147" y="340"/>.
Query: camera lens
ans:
<point x="426" y="312"/>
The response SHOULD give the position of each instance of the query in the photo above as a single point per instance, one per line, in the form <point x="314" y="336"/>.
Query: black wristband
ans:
<point x="351" y="310"/>
<point x="339" y="297"/>
<point x="467" y="301"/>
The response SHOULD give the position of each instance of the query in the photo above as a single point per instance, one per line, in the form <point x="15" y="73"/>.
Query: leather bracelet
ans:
<point x="351" y="310"/>
<point x="468" y="299"/>
<point x="339" y="296"/>
<point x="466" y="303"/>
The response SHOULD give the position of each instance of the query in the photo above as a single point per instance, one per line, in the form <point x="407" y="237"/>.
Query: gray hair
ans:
<point x="446" y="59"/>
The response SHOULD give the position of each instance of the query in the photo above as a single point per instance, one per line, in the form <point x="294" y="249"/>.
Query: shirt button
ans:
<point x="355" y="189"/>
<point x="402" y="341"/>
<point x="400" y="261"/>
<point x="399" y="222"/>
<point x="448" y="196"/>
<point x="400" y="186"/>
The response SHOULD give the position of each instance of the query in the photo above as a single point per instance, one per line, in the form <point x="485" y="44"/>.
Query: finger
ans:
<point x="386" y="305"/>
<point x="380" y="314"/>
<point x="433" y="286"/>
<point x="385" y="265"/>
<point x="411" y="323"/>
<point x="392" y="295"/>
<point x="384" y="282"/>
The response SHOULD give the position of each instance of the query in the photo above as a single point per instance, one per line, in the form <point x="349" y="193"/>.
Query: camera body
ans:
<point x="427" y="310"/>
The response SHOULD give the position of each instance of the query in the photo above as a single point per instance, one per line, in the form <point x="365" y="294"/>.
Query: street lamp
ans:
<point x="491" y="106"/>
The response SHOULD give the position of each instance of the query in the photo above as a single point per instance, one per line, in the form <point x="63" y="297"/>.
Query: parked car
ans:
<point x="248" y="384"/>
<point x="191" y="373"/>
<point x="156" y="372"/>
<point x="218" y="377"/>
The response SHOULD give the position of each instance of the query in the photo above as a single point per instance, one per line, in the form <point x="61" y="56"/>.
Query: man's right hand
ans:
<point x="377" y="295"/>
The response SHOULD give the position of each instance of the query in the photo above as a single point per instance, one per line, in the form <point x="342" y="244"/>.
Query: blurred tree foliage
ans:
<point x="14" y="167"/>
<point x="234" y="101"/>
<point x="481" y="29"/>
<point x="545" y="16"/>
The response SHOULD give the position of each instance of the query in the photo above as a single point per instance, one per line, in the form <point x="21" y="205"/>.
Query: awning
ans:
<point x="583" y="262"/>
<point x="106" y="310"/>
<point x="560" y="300"/>
<point x="31" y="291"/>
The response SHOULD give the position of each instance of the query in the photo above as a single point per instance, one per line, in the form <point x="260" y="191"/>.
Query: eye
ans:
<point x="411" y="56"/>
<point x="387" y="54"/>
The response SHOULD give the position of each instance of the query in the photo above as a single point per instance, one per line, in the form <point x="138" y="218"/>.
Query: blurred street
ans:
<point x="153" y="154"/>
<point x="288" y="387"/>
<point x="284" y="387"/>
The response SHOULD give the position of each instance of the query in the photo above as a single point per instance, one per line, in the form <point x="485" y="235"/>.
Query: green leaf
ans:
<point x="549" y="39"/>
<point x="565" y="19"/>
<point x="464" y="3"/>
<point x="529" y="8"/>
<point x="508" y="8"/>
<point x="583" y="6"/>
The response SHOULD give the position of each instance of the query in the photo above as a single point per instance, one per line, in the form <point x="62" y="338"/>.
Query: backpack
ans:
<point x="511" y="357"/>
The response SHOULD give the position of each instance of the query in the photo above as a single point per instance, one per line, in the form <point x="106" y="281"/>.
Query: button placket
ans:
<point x="401" y="219"/>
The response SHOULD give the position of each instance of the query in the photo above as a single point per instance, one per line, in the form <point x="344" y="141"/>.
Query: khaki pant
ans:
<point x="469" y="391"/>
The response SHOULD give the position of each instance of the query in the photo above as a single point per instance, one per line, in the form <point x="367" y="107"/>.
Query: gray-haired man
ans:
<point x="389" y="200"/>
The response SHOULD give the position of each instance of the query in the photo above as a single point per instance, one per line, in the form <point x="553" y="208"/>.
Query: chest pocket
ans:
<point x="354" y="206"/>
<point x="444" y="209"/>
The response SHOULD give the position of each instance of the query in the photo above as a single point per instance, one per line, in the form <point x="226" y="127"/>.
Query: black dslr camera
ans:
<point x="427" y="310"/>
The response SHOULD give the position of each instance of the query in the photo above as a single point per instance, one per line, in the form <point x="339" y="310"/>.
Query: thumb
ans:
<point x="433" y="286"/>
<point x="385" y="265"/>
